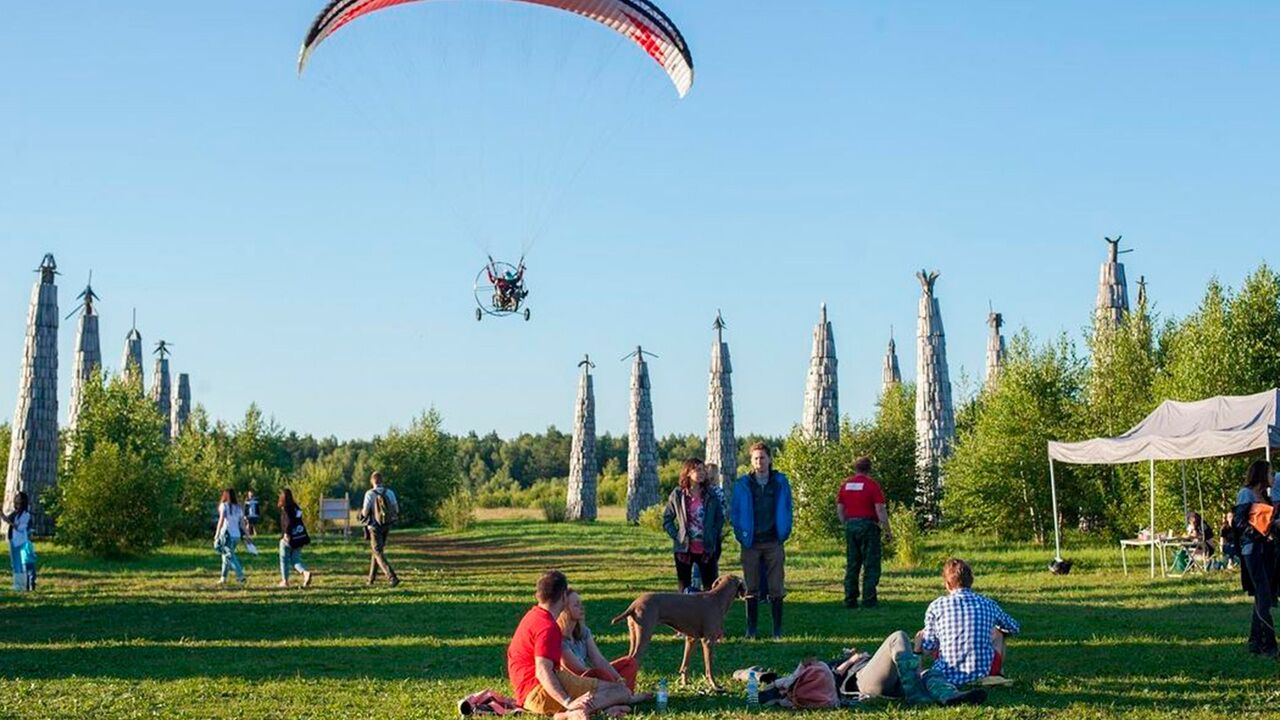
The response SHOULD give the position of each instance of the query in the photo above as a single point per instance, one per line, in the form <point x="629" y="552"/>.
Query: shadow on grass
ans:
<point x="396" y="639"/>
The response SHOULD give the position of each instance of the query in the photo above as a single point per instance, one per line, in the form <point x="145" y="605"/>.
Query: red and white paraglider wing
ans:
<point x="641" y="21"/>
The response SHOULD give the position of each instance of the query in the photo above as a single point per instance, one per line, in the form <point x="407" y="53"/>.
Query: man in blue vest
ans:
<point x="761" y="513"/>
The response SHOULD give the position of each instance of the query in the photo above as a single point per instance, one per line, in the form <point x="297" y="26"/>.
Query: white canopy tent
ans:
<point x="1217" y="427"/>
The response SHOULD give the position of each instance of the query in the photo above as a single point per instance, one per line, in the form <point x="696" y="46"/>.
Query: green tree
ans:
<point x="6" y="437"/>
<point x="891" y="443"/>
<point x="202" y="460"/>
<point x="421" y="464"/>
<point x="319" y="478"/>
<point x="118" y="494"/>
<point x="997" y="478"/>
<point x="1121" y="378"/>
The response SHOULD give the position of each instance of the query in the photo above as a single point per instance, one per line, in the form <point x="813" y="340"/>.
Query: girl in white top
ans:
<point x="232" y="525"/>
<point x="17" y="526"/>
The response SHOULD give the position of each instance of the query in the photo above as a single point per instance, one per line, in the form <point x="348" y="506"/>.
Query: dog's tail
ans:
<point x="629" y="612"/>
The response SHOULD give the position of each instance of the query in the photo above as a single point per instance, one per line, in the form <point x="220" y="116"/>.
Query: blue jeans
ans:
<point x="230" y="561"/>
<point x="19" y="572"/>
<point x="290" y="556"/>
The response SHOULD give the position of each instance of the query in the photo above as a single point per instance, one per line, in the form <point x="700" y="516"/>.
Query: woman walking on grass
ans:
<point x="294" y="537"/>
<point x="694" y="519"/>
<point x="231" y="527"/>
<point x="18" y="533"/>
<point x="1255" y="570"/>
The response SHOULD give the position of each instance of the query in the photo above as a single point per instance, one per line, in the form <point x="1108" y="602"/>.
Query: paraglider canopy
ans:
<point x="641" y="21"/>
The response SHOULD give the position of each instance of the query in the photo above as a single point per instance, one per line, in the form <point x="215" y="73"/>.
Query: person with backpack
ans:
<point x="1250" y="525"/>
<point x="378" y="513"/>
<point x="293" y="538"/>
<point x="251" y="513"/>
<point x="17" y="530"/>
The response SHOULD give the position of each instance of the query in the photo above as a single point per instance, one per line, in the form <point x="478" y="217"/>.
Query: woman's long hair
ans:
<point x="21" y="503"/>
<point x="1258" y="477"/>
<point x="229" y="496"/>
<point x="569" y="627"/>
<point x="286" y="501"/>
<point x="686" y="474"/>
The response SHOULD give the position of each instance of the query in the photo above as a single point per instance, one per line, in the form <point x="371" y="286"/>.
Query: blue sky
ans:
<point x="310" y="244"/>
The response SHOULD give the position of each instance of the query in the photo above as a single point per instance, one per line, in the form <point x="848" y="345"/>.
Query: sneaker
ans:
<point x="977" y="696"/>
<point x="306" y="579"/>
<point x="282" y="584"/>
<point x="394" y="581"/>
<point x="870" y="603"/>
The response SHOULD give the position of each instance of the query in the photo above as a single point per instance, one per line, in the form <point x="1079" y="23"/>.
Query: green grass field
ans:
<point x="156" y="638"/>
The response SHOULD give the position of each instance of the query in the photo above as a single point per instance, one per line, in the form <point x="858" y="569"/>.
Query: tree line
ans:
<point x="997" y="481"/>
<point x="124" y="488"/>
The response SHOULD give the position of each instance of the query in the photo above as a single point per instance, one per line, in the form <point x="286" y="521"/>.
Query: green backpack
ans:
<point x="384" y="513"/>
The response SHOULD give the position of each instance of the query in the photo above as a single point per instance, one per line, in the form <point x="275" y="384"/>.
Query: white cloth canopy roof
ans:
<point x="1217" y="427"/>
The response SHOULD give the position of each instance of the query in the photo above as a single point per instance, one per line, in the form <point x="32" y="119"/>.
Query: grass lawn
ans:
<point x="156" y="638"/>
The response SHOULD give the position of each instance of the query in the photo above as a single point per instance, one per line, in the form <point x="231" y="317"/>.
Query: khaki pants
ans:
<point x="774" y="558"/>
<point x="377" y="535"/>
<point x="539" y="702"/>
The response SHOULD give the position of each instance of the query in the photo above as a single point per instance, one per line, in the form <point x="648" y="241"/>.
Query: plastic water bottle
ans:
<point x="753" y="691"/>
<point x="661" y="699"/>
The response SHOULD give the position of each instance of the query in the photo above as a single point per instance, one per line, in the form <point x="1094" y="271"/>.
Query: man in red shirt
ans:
<point x="540" y="685"/>
<point x="860" y="507"/>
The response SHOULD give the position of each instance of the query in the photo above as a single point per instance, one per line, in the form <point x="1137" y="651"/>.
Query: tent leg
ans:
<point x="1057" y="535"/>
<point x="1185" y="507"/>
<point x="1154" y="536"/>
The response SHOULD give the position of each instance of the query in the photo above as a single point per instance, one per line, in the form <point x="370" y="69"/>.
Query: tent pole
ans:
<point x="1200" y="492"/>
<point x="1153" y="517"/>
<point x="1057" y="537"/>
<point x="1185" y="508"/>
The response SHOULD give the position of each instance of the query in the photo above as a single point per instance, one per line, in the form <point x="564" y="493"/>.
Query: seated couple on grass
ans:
<point x="964" y="633"/>
<point x="554" y="664"/>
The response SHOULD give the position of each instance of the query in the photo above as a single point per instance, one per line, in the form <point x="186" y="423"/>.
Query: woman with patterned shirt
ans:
<point x="694" y="519"/>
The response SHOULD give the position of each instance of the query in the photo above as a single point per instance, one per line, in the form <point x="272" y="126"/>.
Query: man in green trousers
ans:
<point x="860" y="506"/>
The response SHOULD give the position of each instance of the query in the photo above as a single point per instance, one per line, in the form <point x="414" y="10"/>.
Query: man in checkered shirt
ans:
<point x="963" y="630"/>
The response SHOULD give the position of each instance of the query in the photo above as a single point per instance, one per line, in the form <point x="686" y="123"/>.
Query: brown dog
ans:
<point x="698" y="616"/>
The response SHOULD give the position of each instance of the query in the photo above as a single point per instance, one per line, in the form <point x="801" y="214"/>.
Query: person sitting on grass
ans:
<point x="540" y="684"/>
<point x="964" y="631"/>
<point x="894" y="671"/>
<point x="582" y="656"/>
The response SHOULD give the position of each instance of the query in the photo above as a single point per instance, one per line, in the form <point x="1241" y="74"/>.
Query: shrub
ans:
<point x="554" y="511"/>
<point x="118" y="494"/>
<point x="651" y="519"/>
<point x="612" y="488"/>
<point x="115" y="504"/>
<point x="907" y="545"/>
<point x="458" y="511"/>
<point x="546" y="491"/>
